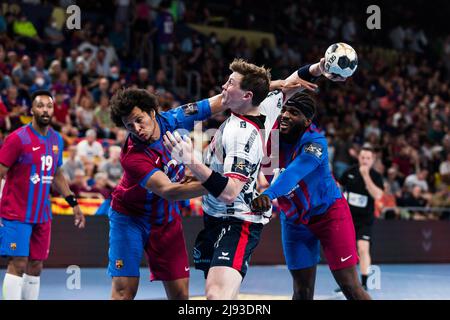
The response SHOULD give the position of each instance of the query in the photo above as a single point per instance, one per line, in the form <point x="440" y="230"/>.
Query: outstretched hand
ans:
<point x="293" y="84"/>
<point x="330" y="76"/>
<point x="180" y="148"/>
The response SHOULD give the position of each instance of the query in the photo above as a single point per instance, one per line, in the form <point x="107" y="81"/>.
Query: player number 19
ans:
<point x="47" y="162"/>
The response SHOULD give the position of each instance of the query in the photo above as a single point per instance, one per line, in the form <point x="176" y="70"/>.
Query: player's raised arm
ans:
<point x="302" y="78"/>
<point x="61" y="186"/>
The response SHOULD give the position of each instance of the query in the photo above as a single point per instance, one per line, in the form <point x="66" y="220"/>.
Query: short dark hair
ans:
<point x="255" y="79"/>
<point x="303" y="102"/>
<point x="41" y="93"/>
<point x="124" y="101"/>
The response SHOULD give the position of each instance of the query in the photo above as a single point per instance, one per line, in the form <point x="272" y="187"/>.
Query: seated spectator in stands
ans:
<point x="436" y="132"/>
<point x="386" y="206"/>
<point x="63" y="86"/>
<point x="23" y="75"/>
<point x="71" y="60"/>
<point x="101" y="90"/>
<point x="419" y="179"/>
<point x="78" y="183"/>
<point x="25" y="28"/>
<point x="444" y="170"/>
<point x="143" y="79"/>
<point x="103" y="65"/>
<point x="92" y="75"/>
<point x="39" y="84"/>
<point x="55" y="70"/>
<point x="392" y="180"/>
<point x="100" y="188"/>
<point x="90" y="167"/>
<point x="72" y="164"/>
<point x="112" y="166"/>
<point x="40" y="71"/>
<point x="61" y="115"/>
<point x="406" y="160"/>
<point x="5" y="123"/>
<point x="5" y="82"/>
<point x="102" y="119"/>
<point x="121" y="137"/>
<point x="85" y="113"/>
<point x="89" y="149"/>
<point x="16" y="107"/>
<point x="415" y="201"/>
<point x="441" y="200"/>
<point x="52" y="34"/>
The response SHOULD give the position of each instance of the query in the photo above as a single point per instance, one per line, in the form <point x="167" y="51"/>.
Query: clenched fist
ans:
<point x="261" y="204"/>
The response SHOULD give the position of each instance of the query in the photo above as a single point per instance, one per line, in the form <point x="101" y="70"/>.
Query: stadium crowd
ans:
<point x="398" y="100"/>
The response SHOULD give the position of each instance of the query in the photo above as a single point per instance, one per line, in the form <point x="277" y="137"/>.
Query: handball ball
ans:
<point x="341" y="59"/>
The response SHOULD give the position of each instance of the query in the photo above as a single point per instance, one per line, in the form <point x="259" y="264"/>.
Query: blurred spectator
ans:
<point x="416" y="201"/>
<point x="90" y="149"/>
<point x="102" y="118"/>
<point x="419" y="179"/>
<point x="112" y="166"/>
<point x="78" y="183"/>
<point x="72" y="164"/>
<point x="23" y="75"/>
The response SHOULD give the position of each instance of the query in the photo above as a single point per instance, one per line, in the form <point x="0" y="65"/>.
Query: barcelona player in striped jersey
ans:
<point x="30" y="160"/>
<point x="145" y="208"/>
<point x="313" y="209"/>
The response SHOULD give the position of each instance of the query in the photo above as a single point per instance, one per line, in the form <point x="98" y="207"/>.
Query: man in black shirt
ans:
<point x="362" y="185"/>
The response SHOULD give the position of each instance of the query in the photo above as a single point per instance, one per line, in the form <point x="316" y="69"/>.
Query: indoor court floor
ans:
<point x="396" y="282"/>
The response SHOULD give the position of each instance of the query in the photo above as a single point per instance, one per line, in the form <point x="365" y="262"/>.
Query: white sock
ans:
<point x="12" y="287"/>
<point x="30" y="289"/>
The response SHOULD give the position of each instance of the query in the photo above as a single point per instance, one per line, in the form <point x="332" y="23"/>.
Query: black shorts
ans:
<point x="226" y="242"/>
<point x="363" y="228"/>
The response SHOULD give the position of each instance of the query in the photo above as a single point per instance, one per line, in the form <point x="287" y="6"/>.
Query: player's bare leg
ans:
<point x="31" y="280"/>
<point x="124" y="288"/>
<point x="348" y="281"/>
<point x="304" y="281"/>
<point x="13" y="282"/>
<point x="223" y="283"/>
<point x="364" y="258"/>
<point x="17" y="266"/>
<point x="177" y="289"/>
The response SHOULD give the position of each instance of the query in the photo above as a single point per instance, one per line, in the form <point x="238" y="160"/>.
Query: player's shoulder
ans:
<point x="240" y="128"/>
<point x="21" y="135"/>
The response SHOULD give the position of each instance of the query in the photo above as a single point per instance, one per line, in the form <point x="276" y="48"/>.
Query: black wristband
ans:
<point x="71" y="200"/>
<point x="215" y="184"/>
<point x="304" y="73"/>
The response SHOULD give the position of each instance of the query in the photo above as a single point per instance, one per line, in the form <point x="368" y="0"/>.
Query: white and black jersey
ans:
<point x="236" y="151"/>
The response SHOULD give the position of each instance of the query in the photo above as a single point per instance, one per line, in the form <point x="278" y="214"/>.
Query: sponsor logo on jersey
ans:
<point x="241" y="166"/>
<point x="315" y="149"/>
<point x="190" y="109"/>
<point x="35" y="178"/>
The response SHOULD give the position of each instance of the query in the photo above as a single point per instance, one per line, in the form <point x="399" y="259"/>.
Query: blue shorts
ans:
<point x="300" y="246"/>
<point x="22" y="239"/>
<point x="164" y="246"/>
<point x="333" y="230"/>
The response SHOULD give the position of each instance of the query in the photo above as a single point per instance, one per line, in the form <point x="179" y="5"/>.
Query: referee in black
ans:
<point x="362" y="185"/>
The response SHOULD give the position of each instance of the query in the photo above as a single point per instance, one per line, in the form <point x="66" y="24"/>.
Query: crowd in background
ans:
<point x="398" y="100"/>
